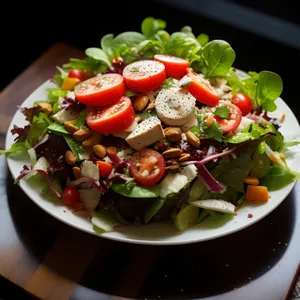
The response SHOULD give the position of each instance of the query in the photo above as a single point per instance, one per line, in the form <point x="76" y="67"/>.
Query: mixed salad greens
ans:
<point x="154" y="127"/>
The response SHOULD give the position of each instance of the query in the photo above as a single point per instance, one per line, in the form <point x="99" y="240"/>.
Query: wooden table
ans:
<point x="51" y="260"/>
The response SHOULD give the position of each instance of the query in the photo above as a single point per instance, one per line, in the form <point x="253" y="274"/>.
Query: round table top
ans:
<point x="52" y="260"/>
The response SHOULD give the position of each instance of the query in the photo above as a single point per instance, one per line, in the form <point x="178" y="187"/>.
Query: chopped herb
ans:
<point x="222" y="112"/>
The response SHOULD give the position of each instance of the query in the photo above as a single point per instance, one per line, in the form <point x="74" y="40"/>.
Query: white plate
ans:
<point x="158" y="234"/>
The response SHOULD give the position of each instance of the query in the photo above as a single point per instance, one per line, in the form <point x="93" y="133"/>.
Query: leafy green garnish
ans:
<point x="182" y="45"/>
<point x="222" y="111"/>
<point x="290" y="144"/>
<point x="16" y="147"/>
<point x="195" y="129"/>
<point x="169" y="83"/>
<point x="278" y="177"/>
<point x="55" y="93"/>
<point x="269" y="88"/>
<point x="130" y="93"/>
<point x="218" y="57"/>
<point x="260" y="164"/>
<point x="57" y="128"/>
<point x="135" y="191"/>
<point x="38" y="127"/>
<point x="154" y="207"/>
<point x="203" y="39"/>
<point x="80" y="123"/>
<point x="98" y="54"/>
<point x="147" y="114"/>
<point x="213" y="132"/>
<point x="151" y="26"/>
<point x="252" y="131"/>
<point x="75" y="146"/>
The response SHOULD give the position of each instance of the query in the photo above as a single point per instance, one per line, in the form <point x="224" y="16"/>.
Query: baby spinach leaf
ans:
<point x="269" y="88"/>
<point x="203" y="39"/>
<point x="136" y="191"/>
<point x="98" y="54"/>
<point x="218" y="57"/>
<point x="182" y="45"/>
<point x="151" y="26"/>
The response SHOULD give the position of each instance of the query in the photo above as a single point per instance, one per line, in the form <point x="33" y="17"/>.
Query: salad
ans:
<point x="156" y="127"/>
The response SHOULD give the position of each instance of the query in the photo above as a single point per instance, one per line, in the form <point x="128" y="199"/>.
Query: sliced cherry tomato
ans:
<point x="147" y="166"/>
<point x="105" y="168"/>
<point x="70" y="196"/>
<point x="201" y="89"/>
<point x="175" y="66"/>
<point x="100" y="90"/>
<point x="76" y="74"/>
<point x="111" y="119"/>
<point x="234" y="119"/>
<point x="144" y="75"/>
<point x="243" y="102"/>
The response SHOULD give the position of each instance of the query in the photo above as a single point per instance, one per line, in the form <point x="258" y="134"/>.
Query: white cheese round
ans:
<point x="174" y="106"/>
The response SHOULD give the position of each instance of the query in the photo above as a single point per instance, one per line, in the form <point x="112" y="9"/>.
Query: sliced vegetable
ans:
<point x="111" y="119"/>
<point x="144" y="75"/>
<point x="100" y="90"/>
<point x="234" y="119"/>
<point x="175" y="66"/>
<point x="147" y="166"/>
<point x="201" y="89"/>
<point x="187" y="217"/>
<point x="215" y="205"/>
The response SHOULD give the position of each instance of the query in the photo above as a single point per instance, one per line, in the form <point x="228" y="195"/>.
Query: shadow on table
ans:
<point x="185" y="271"/>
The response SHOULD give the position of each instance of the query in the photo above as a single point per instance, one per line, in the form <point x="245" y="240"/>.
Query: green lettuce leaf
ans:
<point x="135" y="191"/>
<point x="16" y="147"/>
<point x="150" y="26"/>
<point x="278" y="177"/>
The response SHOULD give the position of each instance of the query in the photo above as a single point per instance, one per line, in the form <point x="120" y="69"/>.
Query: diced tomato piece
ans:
<point x="105" y="168"/>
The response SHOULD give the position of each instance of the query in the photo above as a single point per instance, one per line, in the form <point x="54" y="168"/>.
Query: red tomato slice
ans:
<point x="175" y="66"/>
<point x="144" y="75"/>
<point x="105" y="168"/>
<point x="234" y="119"/>
<point x="202" y="90"/>
<point x="100" y="90"/>
<point x="111" y="119"/>
<point x="243" y="102"/>
<point x="147" y="166"/>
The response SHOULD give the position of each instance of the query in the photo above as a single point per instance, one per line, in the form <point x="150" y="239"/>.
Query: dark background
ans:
<point x="28" y="30"/>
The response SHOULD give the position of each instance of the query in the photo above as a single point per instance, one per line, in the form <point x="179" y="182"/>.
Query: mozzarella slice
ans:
<point x="174" y="106"/>
<point x="89" y="169"/>
<point x="90" y="198"/>
<point x="216" y="205"/>
<point x="172" y="183"/>
<point x="65" y="115"/>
